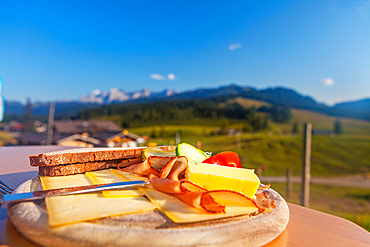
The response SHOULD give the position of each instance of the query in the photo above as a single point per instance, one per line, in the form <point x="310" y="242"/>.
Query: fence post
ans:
<point x="178" y="138"/>
<point x="49" y="138"/>
<point x="289" y="183"/>
<point x="306" y="167"/>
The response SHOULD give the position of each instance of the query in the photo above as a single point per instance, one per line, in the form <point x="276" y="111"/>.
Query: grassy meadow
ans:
<point x="276" y="149"/>
<point x="331" y="156"/>
<point x="6" y="139"/>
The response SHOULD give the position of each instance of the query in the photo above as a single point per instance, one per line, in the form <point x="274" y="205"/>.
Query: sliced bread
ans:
<point x="80" y="160"/>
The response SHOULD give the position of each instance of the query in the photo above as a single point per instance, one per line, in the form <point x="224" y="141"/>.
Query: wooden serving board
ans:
<point x="146" y="229"/>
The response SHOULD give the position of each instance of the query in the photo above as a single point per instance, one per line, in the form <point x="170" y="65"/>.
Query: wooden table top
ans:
<point x="306" y="227"/>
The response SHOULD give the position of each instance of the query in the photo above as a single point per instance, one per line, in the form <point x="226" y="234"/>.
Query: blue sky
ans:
<point x="61" y="50"/>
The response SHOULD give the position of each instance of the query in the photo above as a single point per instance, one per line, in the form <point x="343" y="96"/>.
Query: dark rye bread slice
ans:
<point x="70" y="169"/>
<point x="73" y="161"/>
<point x="83" y="155"/>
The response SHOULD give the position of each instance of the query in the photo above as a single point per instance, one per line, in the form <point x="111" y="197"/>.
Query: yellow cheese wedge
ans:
<point x="216" y="177"/>
<point x="49" y="183"/>
<point x="106" y="176"/>
<point x="76" y="208"/>
<point x="180" y="212"/>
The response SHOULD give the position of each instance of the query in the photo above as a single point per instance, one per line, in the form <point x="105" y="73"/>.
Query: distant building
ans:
<point x="82" y="134"/>
<point x="12" y="126"/>
<point x="32" y="138"/>
<point x="124" y="139"/>
<point x="79" y="140"/>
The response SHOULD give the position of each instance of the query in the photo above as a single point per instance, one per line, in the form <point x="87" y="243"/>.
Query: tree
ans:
<point x="224" y="126"/>
<point x="247" y="128"/>
<point x="153" y="134"/>
<point x="337" y="128"/>
<point x="28" y="109"/>
<point x="28" y="117"/>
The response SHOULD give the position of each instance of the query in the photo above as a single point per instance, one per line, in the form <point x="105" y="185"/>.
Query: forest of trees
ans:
<point x="187" y="112"/>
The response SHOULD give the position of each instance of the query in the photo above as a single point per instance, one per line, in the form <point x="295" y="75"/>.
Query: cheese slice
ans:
<point x="216" y="177"/>
<point x="76" y="208"/>
<point x="180" y="212"/>
<point x="49" y="183"/>
<point x="105" y="177"/>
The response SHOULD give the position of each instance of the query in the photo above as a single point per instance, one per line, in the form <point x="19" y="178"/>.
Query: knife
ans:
<point x="31" y="196"/>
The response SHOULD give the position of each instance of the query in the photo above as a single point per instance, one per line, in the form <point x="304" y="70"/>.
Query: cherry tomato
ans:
<point x="226" y="158"/>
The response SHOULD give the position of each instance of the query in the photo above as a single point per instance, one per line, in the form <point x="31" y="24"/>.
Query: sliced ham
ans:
<point x="263" y="201"/>
<point x="166" y="185"/>
<point x="166" y="175"/>
<point x="210" y="205"/>
<point x="198" y="197"/>
<point x="191" y="198"/>
<point x="167" y="168"/>
<point x="188" y="186"/>
<point x="178" y="168"/>
<point x="143" y="168"/>
<point x="158" y="162"/>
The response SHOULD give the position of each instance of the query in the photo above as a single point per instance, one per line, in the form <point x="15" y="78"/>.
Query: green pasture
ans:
<point x="277" y="148"/>
<point x="331" y="155"/>
<point x="319" y="121"/>
<point x="349" y="203"/>
<point x="247" y="103"/>
<point x="324" y="122"/>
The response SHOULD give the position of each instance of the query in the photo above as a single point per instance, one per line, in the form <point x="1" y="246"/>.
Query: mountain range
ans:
<point x="115" y="95"/>
<point x="276" y="96"/>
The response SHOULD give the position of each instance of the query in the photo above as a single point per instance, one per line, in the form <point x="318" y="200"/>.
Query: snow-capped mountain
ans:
<point x="117" y="95"/>
<point x="277" y="96"/>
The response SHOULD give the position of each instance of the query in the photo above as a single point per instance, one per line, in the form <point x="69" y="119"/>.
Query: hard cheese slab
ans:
<point x="76" y="208"/>
<point x="180" y="212"/>
<point x="216" y="177"/>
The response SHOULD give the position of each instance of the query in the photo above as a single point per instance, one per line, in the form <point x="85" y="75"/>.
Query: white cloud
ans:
<point x="157" y="77"/>
<point x="235" y="46"/>
<point x="171" y="77"/>
<point x="327" y="81"/>
<point x="96" y="91"/>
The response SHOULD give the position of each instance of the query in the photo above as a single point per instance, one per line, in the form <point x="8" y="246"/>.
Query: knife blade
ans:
<point x="31" y="196"/>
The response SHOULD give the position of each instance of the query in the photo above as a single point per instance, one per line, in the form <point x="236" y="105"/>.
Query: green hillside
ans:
<point x="276" y="149"/>
<point x="331" y="156"/>
<point x="271" y="150"/>
<point x="324" y="122"/>
<point x="320" y="121"/>
<point x="247" y="103"/>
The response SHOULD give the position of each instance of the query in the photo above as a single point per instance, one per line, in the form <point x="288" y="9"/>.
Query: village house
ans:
<point x="83" y="134"/>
